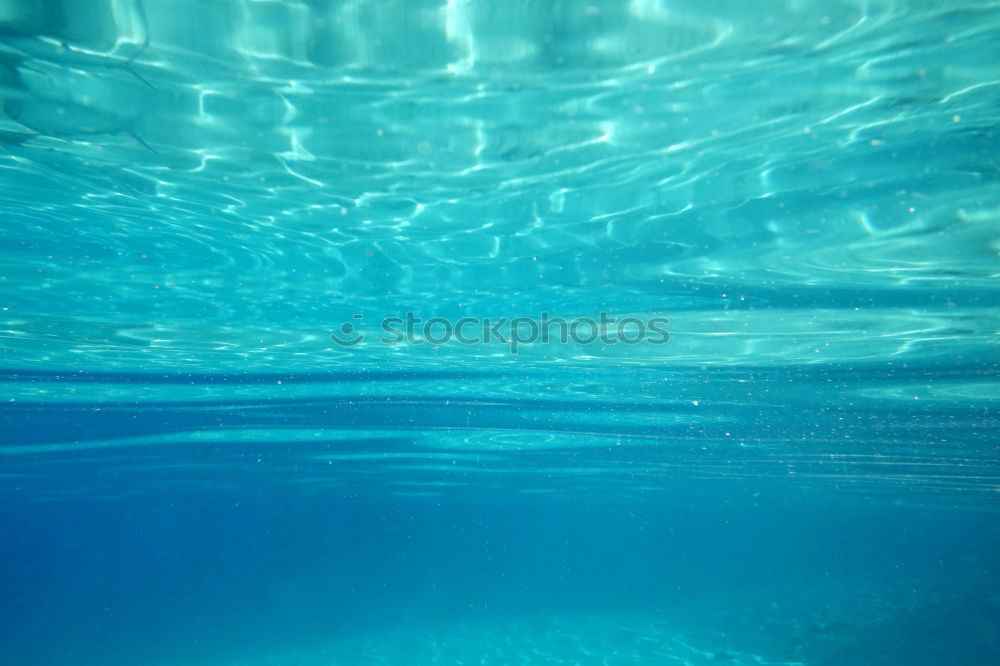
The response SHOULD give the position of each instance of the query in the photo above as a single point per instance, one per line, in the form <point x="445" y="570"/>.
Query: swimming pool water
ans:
<point x="212" y="455"/>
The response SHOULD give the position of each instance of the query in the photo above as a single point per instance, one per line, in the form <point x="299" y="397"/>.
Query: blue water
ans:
<point x="195" y="195"/>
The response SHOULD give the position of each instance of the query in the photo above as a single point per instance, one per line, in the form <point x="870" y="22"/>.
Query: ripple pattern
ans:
<point x="225" y="196"/>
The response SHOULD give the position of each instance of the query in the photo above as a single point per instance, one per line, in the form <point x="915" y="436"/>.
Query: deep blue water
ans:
<point x="195" y="195"/>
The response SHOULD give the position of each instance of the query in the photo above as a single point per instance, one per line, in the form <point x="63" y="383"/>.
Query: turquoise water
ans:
<point x="212" y="453"/>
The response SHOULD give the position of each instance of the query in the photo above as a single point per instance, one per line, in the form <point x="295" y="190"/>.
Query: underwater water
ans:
<point x="763" y="235"/>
